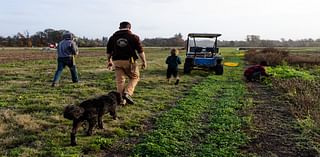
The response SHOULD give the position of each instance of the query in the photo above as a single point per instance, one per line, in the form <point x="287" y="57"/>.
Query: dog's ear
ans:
<point x="117" y="95"/>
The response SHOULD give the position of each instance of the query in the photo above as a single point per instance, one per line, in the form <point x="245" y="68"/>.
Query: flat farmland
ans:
<point x="205" y="115"/>
<point x="24" y="54"/>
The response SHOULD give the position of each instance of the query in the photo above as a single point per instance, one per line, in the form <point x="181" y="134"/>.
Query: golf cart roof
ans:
<point x="203" y="35"/>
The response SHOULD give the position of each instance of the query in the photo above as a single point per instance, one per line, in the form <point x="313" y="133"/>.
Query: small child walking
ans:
<point x="173" y="61"/>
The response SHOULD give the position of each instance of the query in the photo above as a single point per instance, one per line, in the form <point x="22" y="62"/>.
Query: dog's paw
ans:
<point x="89" y="133"/>
<point x="73" y="144"/>
<point x="100" y="127"/>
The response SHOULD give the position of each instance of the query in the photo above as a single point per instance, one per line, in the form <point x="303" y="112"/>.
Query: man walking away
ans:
<point x="123" y="49"/>
<point x="67" y="49"/>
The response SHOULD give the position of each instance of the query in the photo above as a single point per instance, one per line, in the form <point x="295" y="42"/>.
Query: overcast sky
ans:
<point x="234" y="19"/>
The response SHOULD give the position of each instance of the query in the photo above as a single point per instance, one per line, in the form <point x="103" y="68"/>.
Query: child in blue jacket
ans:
<point x="173" y="61"/>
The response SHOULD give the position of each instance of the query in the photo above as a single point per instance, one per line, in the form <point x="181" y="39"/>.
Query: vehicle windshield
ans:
<point x="201" y="42"/>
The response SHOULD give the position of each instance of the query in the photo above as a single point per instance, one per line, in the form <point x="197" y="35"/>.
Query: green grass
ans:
<point x="196" y="118"/>
<point x="290" y="72"/>
<point x="31" y="111"/>
<point x="204" y="123"/>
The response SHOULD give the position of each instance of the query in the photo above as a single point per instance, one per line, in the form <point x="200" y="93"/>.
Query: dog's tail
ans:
<point x="73" y="112"/>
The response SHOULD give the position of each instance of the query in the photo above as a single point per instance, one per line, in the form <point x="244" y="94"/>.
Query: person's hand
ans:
<point x="109" y="66"/>
<point x="144" y="65"/>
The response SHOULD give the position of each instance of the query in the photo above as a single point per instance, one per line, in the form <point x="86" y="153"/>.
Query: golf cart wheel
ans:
<point x="212" y="69"/>
<point x="187" y="66"/>
<point x="219" y="69"/>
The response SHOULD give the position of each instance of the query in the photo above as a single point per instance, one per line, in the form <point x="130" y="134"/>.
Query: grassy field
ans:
<point x="199" y="117"/>
<point x="31" y="110"/>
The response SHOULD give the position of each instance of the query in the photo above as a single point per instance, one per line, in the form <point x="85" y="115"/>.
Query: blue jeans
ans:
<point x="62" y="63"/>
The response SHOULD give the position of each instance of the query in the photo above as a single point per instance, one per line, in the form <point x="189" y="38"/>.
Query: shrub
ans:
<point x="271" y="55"/>
<point x="303" y="60"/>
<point x="275" y="56"/>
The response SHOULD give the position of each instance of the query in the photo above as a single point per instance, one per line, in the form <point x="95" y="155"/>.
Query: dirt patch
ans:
<point x="273" y="129"/>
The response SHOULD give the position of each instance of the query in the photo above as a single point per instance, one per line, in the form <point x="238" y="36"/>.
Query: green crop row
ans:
<point x="205" y="123"/>
<point x="290" y="72"/>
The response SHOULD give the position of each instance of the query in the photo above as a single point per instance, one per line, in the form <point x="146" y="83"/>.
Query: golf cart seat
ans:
<point x="210" y="49"/>
<point x="196" y="49"/>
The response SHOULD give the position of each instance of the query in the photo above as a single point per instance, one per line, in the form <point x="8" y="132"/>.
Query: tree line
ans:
<point x="51" y="36"/>
<point x="176" y="40"/>
<point x="255" y="41"/>
<point x="46" y="38"/>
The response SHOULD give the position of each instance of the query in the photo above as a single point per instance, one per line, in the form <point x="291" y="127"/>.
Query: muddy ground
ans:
<point x="274" y="130"/>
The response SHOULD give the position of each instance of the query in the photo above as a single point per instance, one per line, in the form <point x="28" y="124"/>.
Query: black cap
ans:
<point x="125" y="24"/>
<point x="67" y="35"/>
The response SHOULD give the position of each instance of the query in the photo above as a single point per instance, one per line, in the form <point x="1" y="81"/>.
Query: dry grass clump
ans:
<point x="2" y="128"/>
<point x="303" y="95"/>
<point x="18" y="130"/>
<point x="275" y="56"/>
<point x="271" y="55"/>
<point x="11" y="120"/>
<point x="27" y="122"/>
<point x="303" y="60"/>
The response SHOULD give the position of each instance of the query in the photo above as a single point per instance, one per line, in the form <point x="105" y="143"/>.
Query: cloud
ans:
<point x="163" y="18"/>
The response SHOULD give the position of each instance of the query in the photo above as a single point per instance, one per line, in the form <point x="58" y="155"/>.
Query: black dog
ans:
<point x="91" y="110"/>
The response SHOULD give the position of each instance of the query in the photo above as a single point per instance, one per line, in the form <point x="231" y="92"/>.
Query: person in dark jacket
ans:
<point x="173" y="61"/>
<point x="123" y="50"/>
<point x="256" y="72"/>
<point x="67" y="49"/>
